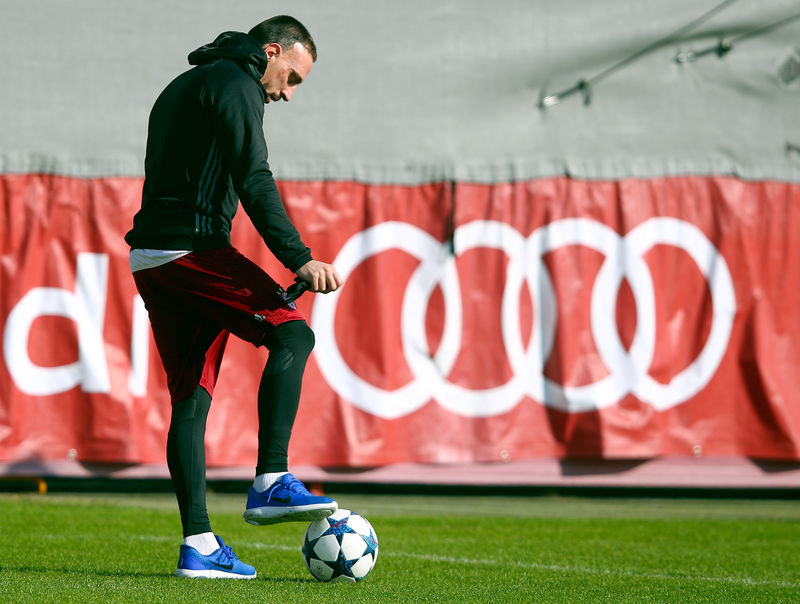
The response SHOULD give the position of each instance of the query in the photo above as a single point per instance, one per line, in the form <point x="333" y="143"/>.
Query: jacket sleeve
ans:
<point x="236" y="111"/>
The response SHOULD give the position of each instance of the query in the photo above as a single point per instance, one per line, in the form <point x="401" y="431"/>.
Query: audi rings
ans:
<point x="623" y="260"/>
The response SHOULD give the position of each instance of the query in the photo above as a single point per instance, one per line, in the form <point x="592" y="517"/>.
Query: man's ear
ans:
<point x="272" y="50"/>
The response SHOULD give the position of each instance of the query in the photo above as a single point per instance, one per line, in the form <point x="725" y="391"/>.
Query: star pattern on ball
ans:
<point x="341" y="547"/>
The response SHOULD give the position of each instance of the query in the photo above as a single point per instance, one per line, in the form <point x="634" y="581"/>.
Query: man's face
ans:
<point x="286" y="69"/>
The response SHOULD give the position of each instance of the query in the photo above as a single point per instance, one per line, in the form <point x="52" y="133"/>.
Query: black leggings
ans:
<point x="289" y="345"/>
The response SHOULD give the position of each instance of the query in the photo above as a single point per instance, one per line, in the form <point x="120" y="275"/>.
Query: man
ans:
<point x="205" y="153"/>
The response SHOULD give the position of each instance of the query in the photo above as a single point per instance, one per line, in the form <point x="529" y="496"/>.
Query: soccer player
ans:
<point x="205" y="153"/>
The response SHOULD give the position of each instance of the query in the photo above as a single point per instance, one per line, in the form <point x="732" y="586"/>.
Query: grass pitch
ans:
<point x="123" y="548"/>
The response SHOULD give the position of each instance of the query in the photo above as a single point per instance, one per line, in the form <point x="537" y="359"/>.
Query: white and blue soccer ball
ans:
<point x="341" y="547"/>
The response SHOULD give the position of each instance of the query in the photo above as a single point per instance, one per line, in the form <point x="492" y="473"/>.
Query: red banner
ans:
<point x="550" y="318"/>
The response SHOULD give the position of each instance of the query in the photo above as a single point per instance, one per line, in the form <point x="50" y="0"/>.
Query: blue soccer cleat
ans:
<point x="220" y="564"/>
<point x="287" y="499"/>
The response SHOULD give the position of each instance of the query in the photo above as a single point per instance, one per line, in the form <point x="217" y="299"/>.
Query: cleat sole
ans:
<point x="210" y="574"/>
<point x="266" y="515"/>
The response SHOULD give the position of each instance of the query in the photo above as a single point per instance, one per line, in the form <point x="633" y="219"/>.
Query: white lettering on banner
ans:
<point x="140" y="348"/>
<point x="86" y="306"/>
<point x="624" y="259"/>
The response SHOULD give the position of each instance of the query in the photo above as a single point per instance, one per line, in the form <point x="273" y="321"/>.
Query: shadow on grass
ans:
<point x="24" y="568"/>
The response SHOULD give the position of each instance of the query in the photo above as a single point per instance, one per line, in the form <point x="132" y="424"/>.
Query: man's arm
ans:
<point x="236" y="112"/>
<point x="237" y="115"/>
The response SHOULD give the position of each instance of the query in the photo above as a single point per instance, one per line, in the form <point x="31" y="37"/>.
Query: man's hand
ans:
<point x="321" y="276"/>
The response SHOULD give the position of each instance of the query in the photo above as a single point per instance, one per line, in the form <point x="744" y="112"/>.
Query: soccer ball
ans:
<point x="341" y="547"/>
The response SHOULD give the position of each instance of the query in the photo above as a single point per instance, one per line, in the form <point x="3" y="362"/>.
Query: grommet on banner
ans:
<point x="722" y="48"/>
<point x="583" y="86"/>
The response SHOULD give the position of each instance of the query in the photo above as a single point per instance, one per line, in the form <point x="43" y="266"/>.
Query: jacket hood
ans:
<point x="240" y="47"/>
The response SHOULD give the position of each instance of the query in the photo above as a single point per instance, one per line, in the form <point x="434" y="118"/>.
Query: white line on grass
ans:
<point x="586" y="570"/>
<point x="591" y="571"/>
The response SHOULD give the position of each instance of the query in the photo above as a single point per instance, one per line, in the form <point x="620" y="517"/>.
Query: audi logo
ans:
<point x="623" y="260"/>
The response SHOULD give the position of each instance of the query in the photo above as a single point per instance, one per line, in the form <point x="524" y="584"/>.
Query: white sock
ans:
<point x="204" y="543"/>
<point x="265" y="481"/>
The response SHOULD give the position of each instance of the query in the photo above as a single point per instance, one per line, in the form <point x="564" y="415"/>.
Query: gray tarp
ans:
<point x="408" y="92"/>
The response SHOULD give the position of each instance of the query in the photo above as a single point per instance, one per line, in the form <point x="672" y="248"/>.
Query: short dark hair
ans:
<point x="286" y="31"/>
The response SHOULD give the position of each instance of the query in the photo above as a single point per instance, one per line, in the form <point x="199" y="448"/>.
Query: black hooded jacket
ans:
<point x="206" y="152"/>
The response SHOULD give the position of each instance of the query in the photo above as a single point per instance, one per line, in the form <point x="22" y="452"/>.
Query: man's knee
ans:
<point x="195" y="406"/>
<point x="290" y="343"/>
<point x="298" y="336"/>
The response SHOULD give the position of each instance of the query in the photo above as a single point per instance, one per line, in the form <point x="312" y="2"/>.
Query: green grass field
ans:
<point x="123" y="548"/>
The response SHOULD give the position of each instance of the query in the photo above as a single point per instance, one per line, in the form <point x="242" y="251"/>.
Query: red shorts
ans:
<point x="196" y="301"/>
